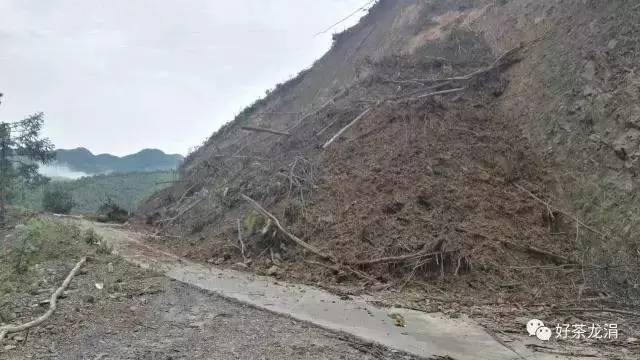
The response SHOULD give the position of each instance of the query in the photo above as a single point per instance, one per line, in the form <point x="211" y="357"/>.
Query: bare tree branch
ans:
<point x="52" y="304"/>
<point x="336" y="136"/>
<point x="270" y="131"/>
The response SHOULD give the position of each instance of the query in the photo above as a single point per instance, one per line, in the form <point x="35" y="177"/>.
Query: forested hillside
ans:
<point x="126" y="190"/>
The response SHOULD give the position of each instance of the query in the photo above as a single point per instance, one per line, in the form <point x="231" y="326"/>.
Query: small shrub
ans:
<point x="252" y="223"/>
<point x="57" y="201"/>
<point x="91" y="237"/>
<point x="112" y="212"/>
<point x="27" y="247"/>
<point x="73" y="231"/>
<point x="104" y="248"/>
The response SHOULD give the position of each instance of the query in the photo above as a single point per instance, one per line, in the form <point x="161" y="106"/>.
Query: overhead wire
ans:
<point x="346" y="18"/>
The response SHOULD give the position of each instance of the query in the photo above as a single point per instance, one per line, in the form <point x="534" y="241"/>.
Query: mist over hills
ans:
<point x="81" y="160"/>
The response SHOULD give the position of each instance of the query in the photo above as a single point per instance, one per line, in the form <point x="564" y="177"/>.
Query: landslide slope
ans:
<point x="496" y="157"/>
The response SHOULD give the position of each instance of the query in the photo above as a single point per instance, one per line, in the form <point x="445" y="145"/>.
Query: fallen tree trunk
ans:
<point x="549" y="206"/>
<point x="295" y="239"/>
<point x="329" y="102"/>
<point x="270" y="131"/>
<point x="336" y="136"/>
<point x="496" y="64"/>
<point x="442" y="92"/>
<point x="187" y="209"/>
<point x="395" y="259"/>
<point x="218" y="156"/>
<point x="52" y="304"/>
<point x="303" y="244"/>
<point x="327" y="127"/>
<point x="557" y="259"/>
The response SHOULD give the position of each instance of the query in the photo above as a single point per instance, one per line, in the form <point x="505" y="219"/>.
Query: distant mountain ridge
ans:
<point x="83" y="160"/>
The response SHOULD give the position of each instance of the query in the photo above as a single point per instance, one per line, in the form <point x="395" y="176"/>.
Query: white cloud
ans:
<point x="60" y="171"/>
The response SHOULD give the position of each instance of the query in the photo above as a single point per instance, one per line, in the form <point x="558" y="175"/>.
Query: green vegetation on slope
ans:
<point x="89" y="193"/>
<point x="34" y="242"/>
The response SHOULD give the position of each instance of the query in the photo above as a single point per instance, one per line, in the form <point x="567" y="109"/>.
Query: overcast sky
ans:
<point x="121" y="75"/>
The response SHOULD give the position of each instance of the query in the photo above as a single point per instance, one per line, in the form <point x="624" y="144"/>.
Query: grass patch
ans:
<point x="253" y="222"/>
<point x="32" y="243"/>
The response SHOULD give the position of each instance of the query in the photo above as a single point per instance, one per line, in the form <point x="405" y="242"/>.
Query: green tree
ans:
<point x="112" y="212"/>
<point x="57" y="201"/>
<point x="22" y="149"/>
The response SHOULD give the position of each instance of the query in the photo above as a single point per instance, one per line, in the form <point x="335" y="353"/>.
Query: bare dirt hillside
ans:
<point x="492" y="155"/>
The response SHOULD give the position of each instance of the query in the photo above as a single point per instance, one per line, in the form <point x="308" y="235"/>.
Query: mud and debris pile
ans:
<point x="470" y="147"/>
